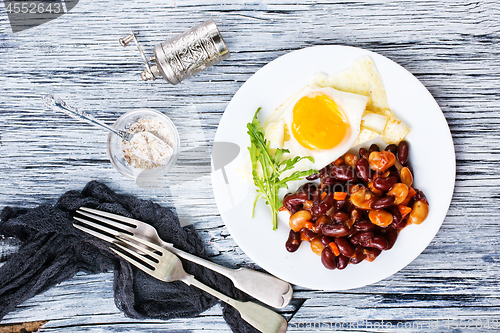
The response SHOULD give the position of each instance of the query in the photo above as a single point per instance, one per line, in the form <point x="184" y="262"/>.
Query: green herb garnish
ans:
<point x="272" y="167"/>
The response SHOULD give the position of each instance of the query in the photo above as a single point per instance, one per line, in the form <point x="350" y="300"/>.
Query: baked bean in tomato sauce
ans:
<point x="358" y="208"/>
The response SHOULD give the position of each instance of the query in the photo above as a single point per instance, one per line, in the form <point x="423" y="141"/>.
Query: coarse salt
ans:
<point x="151" y="145"/>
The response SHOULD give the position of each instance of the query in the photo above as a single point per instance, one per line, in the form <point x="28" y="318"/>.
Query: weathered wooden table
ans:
<point x="451" y="46"/>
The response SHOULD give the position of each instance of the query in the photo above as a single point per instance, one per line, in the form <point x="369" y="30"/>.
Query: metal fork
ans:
<point x="264" y="287"/>
<point x="165" y="266"/>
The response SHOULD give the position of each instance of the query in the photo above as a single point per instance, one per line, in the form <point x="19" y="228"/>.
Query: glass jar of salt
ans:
<point x="151" y="145"/>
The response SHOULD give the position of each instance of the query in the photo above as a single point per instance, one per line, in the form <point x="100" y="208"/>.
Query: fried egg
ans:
<point x="323" y="123"/>
<point x="363" y="78"/>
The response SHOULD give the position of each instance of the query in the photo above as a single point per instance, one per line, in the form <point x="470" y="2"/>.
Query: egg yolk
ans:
<point x="318" y="123"/>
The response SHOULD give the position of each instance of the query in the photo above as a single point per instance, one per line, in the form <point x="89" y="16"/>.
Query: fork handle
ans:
<point x="262" y="318"/>
<point x="264" y="287"/>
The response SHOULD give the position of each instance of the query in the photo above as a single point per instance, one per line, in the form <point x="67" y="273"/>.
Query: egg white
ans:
<point x="352" y="105"/>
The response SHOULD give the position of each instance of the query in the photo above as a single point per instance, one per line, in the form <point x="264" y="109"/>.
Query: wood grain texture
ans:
<point x="450" y="46"/>
<point x="22" y="327"/>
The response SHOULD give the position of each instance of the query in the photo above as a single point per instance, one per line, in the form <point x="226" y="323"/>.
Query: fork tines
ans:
<point x="150" y="258"/>
<point x="139" y="256"/>
<point x="102" y="227"/>
<point x="97" y="213"/>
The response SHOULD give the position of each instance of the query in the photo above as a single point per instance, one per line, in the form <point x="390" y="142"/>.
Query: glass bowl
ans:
<point x="115" y="151"/>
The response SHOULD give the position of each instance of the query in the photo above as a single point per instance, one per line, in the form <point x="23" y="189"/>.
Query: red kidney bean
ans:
<point x="363" y="169"/>
<point x="391" y="235"/>
<point x="343" y="172"/>
<point x="371" y="253"/>
<point x="334" y="185"/>
<point x="335" y="230"/>
<point x="340" y="217"/>
<point x="359" y="256"/>
<point x="330" y="181"/>
<point x="328" y="258"/>
<point x="397" y="220"/>
<point x="403" y="150"/>
<point x="323" y="172"/>
<point x="410" y="167"/>
<point x="373" y="147"/>
<point x="420" y="196"/>
<point x="377" y="242"/>
<point x="321" y="221"/>
<point x="411" y="202"/>
<point x="401" y="224"/>
<point x="293" y="242"/>
<point x="348" y="207"/>
<point x="361" y="236"/>
<point x="323" y="206"/>
<point x="308" y="233"/>
<point x="396" y="214"/>
<point x="363" y="243"/>
<point x="325" y="240"/>
<point x="392" y="148"/>
<point x="339" y="204"/>
<point x="342" y="261"/>
<point x="363" y="225"/>
<point x="384" y="184"/>
<point x="363" y="153"/>
<point x="383" y="202"/>
<point x="308" y="188"/>
<point x="293" y="202"/>
<point x="344" y="246"/>
<point x="316" y="197"/>
<point x="394" y="173"/>
<point x="313" y="176"/>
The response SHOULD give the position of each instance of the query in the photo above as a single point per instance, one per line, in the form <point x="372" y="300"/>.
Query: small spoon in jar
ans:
<point x="152" y="144"/>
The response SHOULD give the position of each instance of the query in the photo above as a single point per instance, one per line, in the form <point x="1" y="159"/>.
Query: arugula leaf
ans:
<point x="272" y="167"/>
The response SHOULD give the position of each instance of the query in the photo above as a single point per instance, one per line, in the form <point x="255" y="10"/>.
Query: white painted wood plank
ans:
<point x="451" y="46"/>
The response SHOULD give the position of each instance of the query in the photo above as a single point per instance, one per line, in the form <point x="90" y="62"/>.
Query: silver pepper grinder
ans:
<point x="184" y="55"/>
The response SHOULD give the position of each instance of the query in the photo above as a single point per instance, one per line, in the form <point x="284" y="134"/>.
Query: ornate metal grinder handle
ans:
<point x="184" y="55"/>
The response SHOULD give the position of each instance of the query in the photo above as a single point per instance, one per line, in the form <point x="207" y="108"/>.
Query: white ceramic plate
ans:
<point x="431" y="154"/>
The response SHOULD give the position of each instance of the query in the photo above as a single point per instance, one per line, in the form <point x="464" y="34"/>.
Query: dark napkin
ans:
<point x="53" y="250"/>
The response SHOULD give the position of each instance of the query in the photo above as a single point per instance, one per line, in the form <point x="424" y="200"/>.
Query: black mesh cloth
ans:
<point x="53" y="250"/>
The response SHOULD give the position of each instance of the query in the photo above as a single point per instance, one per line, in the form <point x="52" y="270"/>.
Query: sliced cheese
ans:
<point x="364" y="136"/>
<point x="395" y="131"/>
<point x="374" y="122"/>
<point x="361" y="78"/>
